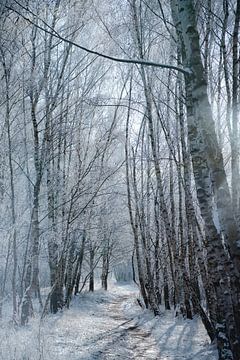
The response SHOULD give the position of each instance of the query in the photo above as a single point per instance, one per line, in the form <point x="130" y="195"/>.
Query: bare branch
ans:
<point x="54" y="33"/>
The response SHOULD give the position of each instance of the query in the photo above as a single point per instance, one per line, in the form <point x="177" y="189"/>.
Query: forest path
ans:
<point x="109" y="325"/>
<point x="126" y="340"/>
<point x="95" y="327"/>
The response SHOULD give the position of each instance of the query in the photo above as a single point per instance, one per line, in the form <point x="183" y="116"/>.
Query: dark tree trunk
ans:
<point x="91" y="277"/>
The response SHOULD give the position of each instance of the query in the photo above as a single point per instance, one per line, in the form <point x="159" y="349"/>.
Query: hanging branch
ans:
<point x="54" y="33"/>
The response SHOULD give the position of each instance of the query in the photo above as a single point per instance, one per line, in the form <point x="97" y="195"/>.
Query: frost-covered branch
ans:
<point x="54" y="33"/>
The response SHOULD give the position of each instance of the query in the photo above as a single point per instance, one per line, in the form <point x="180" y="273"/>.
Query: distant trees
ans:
<point x="56" y="158"/>
<point x="68" y="121"/>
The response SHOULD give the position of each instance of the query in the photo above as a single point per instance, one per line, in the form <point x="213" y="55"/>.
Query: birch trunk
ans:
<point x="133" y="221"/>
<point x="210" y="178"/>
<point x="235" y="118"/>
<point x="7" y="72"/>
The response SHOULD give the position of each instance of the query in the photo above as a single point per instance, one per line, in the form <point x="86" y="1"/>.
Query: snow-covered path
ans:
<point x="106" y="326"/>
<point x="126" y="340"/>
<point x="110" y="325"/>
<point x="98" y="329"/>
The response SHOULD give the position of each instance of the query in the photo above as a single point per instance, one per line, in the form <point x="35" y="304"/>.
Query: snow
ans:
<point x="177" y="338"/>
<point x="238" y="244"/>
<point x="107" y="325"/>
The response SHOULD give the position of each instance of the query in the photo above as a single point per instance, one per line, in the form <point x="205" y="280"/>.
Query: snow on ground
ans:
<point x="176" y="337"/>
<point x="104" y="326"/>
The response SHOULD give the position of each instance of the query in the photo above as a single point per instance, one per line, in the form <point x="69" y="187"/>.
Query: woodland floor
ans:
<point x="109" y="325"/>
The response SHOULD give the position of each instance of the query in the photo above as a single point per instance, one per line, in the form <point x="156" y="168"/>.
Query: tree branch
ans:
<point x="54" y="33"/>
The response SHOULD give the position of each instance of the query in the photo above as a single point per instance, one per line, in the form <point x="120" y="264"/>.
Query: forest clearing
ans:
<point x="119" y="179"/>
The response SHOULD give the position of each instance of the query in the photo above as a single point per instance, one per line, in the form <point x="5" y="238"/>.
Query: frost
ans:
<point x="107" y="325"/>
<point x="226" y="353"/>
<point x="238" y="244"/>
<point x="216" y="219"/>
<point x="222" y="336"/>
